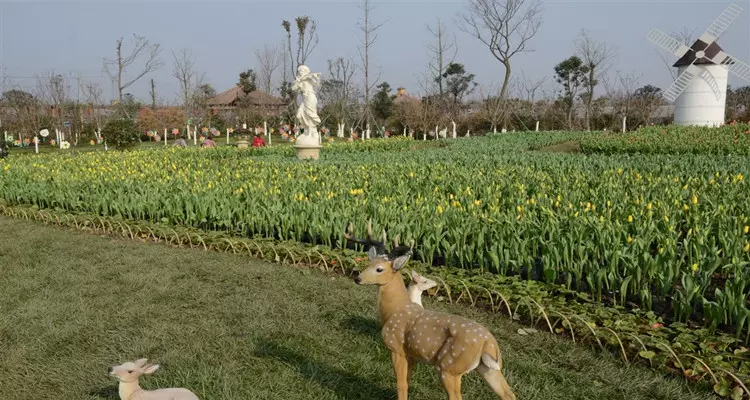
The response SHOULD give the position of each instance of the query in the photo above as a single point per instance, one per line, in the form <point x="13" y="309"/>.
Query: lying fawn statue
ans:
<point x="128" y="375"/>
<point x="418" y="285"/>
<point x="453" y="344"/>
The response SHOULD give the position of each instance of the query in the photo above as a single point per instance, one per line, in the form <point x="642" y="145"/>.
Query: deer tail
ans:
<point x="491" y="356"/>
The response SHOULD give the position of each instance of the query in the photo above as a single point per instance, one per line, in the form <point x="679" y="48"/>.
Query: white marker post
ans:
<point x="165" y="136"/>
<point x="537" y="126"/>
<point x="227" y="135"/>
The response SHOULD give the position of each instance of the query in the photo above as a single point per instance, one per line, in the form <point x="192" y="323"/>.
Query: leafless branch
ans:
<point x="369" y="36"/>
<point x="504" y="26"/>
<point x="117" y="68"/>
<point x="621" y="93"/>
<point x="494" y="107"/>
<point x="269" y="60"/>
<point x="528" y="90"/>
<point x="442" y="52"/>
<point x="185" y="73"/>
<point x="596" y="56"/>
<point x="94" y="98"/>
<point x="338" y="92"/>
<point x="686" y="37"/>
<point x="305" y="46"/>
<point x="3" y="80"/>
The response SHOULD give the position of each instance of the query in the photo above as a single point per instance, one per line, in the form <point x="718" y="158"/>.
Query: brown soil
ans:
<point x="565" y="147"/>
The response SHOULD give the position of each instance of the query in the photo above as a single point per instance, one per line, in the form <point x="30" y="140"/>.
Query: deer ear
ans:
<point x="400" y="262"/>
<point x="372" y="253"/>
<point x="150" y="369"/>
<point x="414" y="275"/>
<point x="140" y="362"/>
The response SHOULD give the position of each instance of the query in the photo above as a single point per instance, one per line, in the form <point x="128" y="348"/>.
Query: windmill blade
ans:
<point x="682" y="82"/>
<point x="734" y="65"/>
<point x="720" y="24"/>
<point x="667" y="42"/>
<point x="711" y="83"/>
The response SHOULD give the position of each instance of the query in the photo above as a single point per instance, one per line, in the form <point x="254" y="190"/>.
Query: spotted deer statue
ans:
<point x="454" y="345"/>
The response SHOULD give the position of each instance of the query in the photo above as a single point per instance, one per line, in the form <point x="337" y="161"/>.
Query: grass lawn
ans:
<point x="230" y="327"/>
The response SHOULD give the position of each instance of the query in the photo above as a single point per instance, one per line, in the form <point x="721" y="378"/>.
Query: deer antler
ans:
<point x="379" y="246"/>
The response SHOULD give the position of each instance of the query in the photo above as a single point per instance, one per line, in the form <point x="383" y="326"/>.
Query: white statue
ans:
<point x="307" y="113"/>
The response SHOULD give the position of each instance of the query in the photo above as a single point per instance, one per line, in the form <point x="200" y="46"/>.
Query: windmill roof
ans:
<point x="710" y="50"/>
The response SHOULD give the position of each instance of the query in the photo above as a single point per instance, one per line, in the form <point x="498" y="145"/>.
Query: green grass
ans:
<point x="230" y="327"/>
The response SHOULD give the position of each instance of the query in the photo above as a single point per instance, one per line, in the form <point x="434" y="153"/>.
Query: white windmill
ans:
<point x="699" y="92"/>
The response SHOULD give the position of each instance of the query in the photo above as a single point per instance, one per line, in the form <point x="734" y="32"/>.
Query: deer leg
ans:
<point x="451" y="384"/>
<point x="409" y="368"/>
<point x="401" y="369"/>
<point x="497" y="382"/>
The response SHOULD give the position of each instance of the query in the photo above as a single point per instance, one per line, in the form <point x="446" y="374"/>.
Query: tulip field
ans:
<point x="731" y="139"/>
<point x="667" y="231"/>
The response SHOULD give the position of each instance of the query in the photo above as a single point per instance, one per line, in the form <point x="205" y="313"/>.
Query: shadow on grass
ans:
<point x="345" y="384"/>
<point x="107" y="392"/>
<point x="362" y="325"/>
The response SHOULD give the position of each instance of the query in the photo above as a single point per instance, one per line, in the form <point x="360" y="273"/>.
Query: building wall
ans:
<point x="698" y="105"/>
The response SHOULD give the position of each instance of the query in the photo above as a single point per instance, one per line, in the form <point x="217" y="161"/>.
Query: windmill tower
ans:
<point x="699" y="92"/>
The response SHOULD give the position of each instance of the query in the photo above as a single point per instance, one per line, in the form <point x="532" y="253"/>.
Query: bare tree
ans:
<point x="621" y="94"/>
<point x="307" y="40"/>
<point x="434" y="104"/>
<point x="493" y="105"/>
<point x="596" y="56"/>
<point x="53" y="90"/>
<point x="369" y="36"/>
<point x="288" y="29"/>
<point x="442" y="53"/>
<point x="269" y="59"/>
<point x="3" y="79"/>
<point x="94" y="98"/>
<point x="117" y="68"/>
<point x="529" y="89"/>
<point x="338" y="93"/>
<point x="152" y="94"/>
<point x="185" y="73"/>
<point x="686" y="37"/>
<point x="504" y="26"/>
<point x="305" y="46"/>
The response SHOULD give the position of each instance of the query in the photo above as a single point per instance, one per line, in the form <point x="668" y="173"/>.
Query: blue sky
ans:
<point x="72" y="37"/>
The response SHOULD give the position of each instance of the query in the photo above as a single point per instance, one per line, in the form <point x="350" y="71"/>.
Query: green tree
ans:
<point x="248" y="81"/>
<point x="121" y="133"/>
<point x="458" y="84"/>
<point x="382" y="102"/>
<point x="17" y="97"/>
<point x="571" y="74"/>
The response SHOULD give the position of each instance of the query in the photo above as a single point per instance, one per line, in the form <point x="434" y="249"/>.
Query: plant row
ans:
<point x="730" y="139"/>
<point x="637" y="336"/>
<point x="663" y="233"/>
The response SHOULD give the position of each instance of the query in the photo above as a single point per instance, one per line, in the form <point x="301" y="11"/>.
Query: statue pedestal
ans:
<point x="307" y="147"/>
<point x="241" y="144"/>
